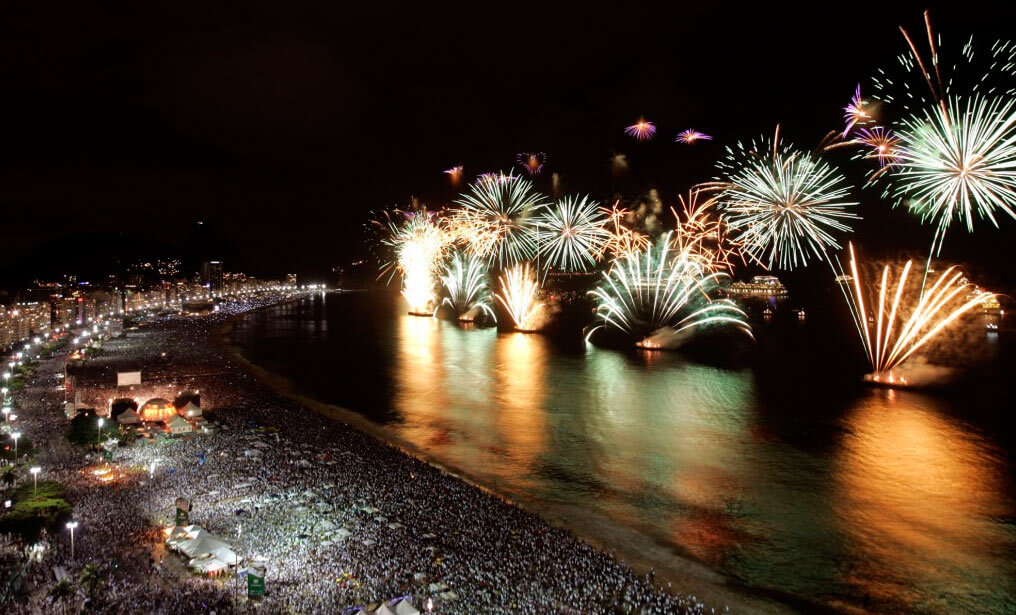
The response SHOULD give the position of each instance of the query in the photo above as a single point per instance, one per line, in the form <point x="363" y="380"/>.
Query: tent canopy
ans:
<point x="191" y="409"/>
<point x="128" y="417"/>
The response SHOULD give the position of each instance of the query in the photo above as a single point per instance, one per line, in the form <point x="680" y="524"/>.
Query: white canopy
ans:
<point x="405" y="607"/>
<point x="177" y="424"/>
<point x="384" y="610"/>
<point x="191" y="410"/>
<point x="128" y="416"/>
<point x="205" y="544"/>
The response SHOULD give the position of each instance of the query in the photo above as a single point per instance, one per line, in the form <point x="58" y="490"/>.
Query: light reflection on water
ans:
<point x="895" y="506"/>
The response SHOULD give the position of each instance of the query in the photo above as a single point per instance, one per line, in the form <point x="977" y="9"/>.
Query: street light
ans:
<point x="71" y="525"/>
<point x="101" y="420"/>
<point x="7" y="414"/>
<point x="16" y="435"/>
<point x="35" y="477"/>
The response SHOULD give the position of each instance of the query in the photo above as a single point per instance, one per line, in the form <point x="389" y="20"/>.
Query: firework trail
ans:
<point x="663" y="287"/>
<point x="643" y="130"/>
<point x="781" y="204"/>
<point x="465" y="280"/>
<point x="454" y="174"/>
<point x="495" y="218"/>
<point x="691" y="136"/>
<point x="897" y="318"/>
<point x="571" y="234"/>
<point x="532" y="163"/>
<point x="520" y="296"/>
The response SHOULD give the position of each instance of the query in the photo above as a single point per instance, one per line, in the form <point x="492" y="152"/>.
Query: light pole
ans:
<point x="101" y="421"/>
<point x="15" y="435"/>
<point x="7" y="413"/>
<point x="35" y="478"/>
<point x="71" y="525"/>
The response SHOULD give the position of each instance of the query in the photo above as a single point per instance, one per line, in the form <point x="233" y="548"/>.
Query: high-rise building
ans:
<point x="211" y="274"/>
<point x="291" y="279"/>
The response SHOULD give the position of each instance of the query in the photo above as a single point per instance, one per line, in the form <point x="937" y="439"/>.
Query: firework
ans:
<point x="465" y="279"/>
<point x="571" y="234"/>
<point x="855" y="113"/>
<point x="532" y="163"/>
<point x="622" y="240"/>
<point x="956" y="161"/>
<point x="917" y="81"/>
<point x="520" y="296"/>
<point x="880" y="142"/>
<point x="895" y="322"/>
<point x="496" y="219"/>
<point x="782" y="204"/>
<point x="643" y="130"/>
<point x="701" y="229"/>
<point x="663" y="287"/>
<point x="691" y="135"/>
<point x="454" y="174"/>
<point x="420" y="243"/>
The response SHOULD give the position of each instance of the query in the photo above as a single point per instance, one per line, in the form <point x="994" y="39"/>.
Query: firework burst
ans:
<point x="571" y="234"/>
<point x="691" y="136"/>
<point x="856" y="112"/>
<point x="532" y="163"/>
<point x="896" y="318"/>
<point x="520" y="296"/>
<point x="496" y="219"/>
<point x="465" y="280"/>
<point x="622" y="240"/>
<point x="420" y="243"/>
<point x="956" y="162"/>
<point x="663" y="287"/>
<point x="643" y="130"/>
<point x="704" y="231"/>
<point x="782" y="205"/>
<point x="880" y="144"/>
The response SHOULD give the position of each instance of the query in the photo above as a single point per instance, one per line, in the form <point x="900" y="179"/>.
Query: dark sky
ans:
<point x="281" y="125"/>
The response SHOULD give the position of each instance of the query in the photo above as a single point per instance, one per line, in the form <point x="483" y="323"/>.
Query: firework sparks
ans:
<point x="894" y="323"/>
<point x="643" y="130"/>
<point x="881" y="143"/>
<point x="465" y="280"/>
<point x="701" y="229"/>
<point x="663" y="287"/>
<point x="691" y="135"/>
<point x="420" y="243"/>
<point x="496" y="219"/>
<point x="520" y="296"/>
<point x="855" y="113"/>
<point x="571" y="234"/>
<point x="532" y="163"/>
<point x="958" y="160"/>
<point x="622" y="240"/>
<point x="917" y="81"/>
<point x="782" y="204"/>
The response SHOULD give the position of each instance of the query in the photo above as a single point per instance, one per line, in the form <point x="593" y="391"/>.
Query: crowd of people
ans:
<point x="338" y="518"/>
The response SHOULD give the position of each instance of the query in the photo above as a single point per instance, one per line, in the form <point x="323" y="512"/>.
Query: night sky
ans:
<point x="281" y="127"/>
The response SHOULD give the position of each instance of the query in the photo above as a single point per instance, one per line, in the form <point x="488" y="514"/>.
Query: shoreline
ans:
<point x="684" y="574"/>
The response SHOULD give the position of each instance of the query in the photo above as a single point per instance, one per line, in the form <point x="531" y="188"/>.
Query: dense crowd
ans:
<point x="340" y="519"/>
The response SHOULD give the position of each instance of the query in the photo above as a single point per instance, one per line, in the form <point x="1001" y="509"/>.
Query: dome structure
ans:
<point x="157" y="409"/>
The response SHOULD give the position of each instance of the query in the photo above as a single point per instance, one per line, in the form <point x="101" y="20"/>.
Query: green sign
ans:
<point x="107" y="455"/>
<point x="255" y="586"/>
<point x="182" y="517"/>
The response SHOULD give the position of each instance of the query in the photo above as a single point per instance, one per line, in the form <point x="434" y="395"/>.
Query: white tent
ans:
<point x="177" y="424"/>
<point x="128" y="417"/>
<point x="191" y="410"/>
<point x="405" y="607"/>
<point x="205" y="544"/>
<point x="384" y="610"/>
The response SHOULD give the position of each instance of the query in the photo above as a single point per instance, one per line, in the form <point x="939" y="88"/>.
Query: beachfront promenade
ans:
<point x="340" y="519"/>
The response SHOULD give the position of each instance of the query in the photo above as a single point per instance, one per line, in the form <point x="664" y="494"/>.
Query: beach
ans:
<point x="341" y="518"/>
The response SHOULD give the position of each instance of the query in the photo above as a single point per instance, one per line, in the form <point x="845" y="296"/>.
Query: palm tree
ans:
<point x="62" y="592"/>
<point x="90" y="579"/>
